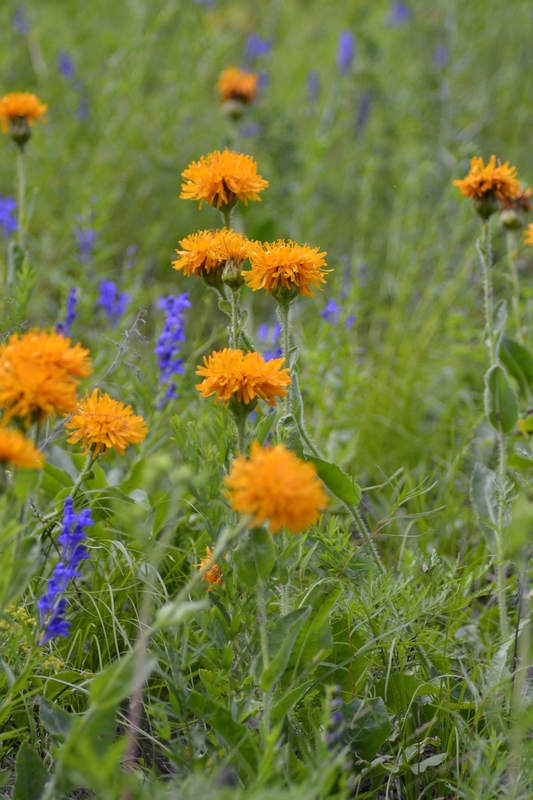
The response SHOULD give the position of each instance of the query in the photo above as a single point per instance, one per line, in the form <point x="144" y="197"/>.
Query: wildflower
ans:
<point x="270" y="340"/>
<point x="346" y="51"/>
<point x="105" y="423"/>
<point x="168" y="347"/>
<point x="521" y="201"/>
<point x="52" y="606"/>
<point x="331" y="312"/>
<point x="230" y="372"/>
<point x="528" y="234"/>
<point x="286" y="264"/>
<point x="65" y="65"/>
<point x="85" y="239"/>
<point x="399" y="14"/>
<point x="274" y="485"/>
<point x="488" y="183"/>
<point x="363" y="111"/>
<point x="235" y="84"/>
<point x="222" y="178"/>
<point x="18" y="111"/>
<point x="200" y="254"/>
<point x="112" y="301"/>
<point x="70" y="313"/>
<point x="15" y="449"/>
<point x="8" y="219"/>
<point x="213" y="574"/>
<point x="20" y="22"/>
<point x="256" y="47"/>
<point x="39" y="375"/>
<point x="440" y="56"/>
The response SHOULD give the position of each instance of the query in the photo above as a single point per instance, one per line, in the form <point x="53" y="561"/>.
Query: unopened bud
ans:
<point x="486" y="206"/>
<point x="512" y="219"/>
<point x="232" y="274"/>
<point x="234" y="109"/>
<point x="19" y="130"/>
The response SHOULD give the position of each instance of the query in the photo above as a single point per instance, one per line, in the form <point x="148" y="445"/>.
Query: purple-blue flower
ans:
<point x="269" y="339"/>
<point x="112" y="301"/>
<point x="331" y="312"/>
<point x="168" y="348"/>
<point x="363" y="111"/>
<point x="251" y="129"/>
<point x="8" y="216"/>
<point x="20" y="21"/>
<point x="52" y="606"/>
<point x="85" y="239"/>
<point x="70" y="313"/>
<point x="346" y="51"/>
<point x="399" y="14"/>
<point x="440" y="56"/>
<point x="256" y="47"/>
<point x="65" y="64"/>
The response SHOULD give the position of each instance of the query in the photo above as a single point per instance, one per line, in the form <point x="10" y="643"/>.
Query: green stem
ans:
<point x="21" y="197"/>
<point x="240" y="423"/>
<point x="483" y="247"/>
<point x="261" y="607"/>
<point x="226" y="215"/>
<point x="510" y="239"/>
<point x="500" y="550"/>
<point x="55" y="515"/>
<point x="284" y="318"/>
<point x="234" y="296"/>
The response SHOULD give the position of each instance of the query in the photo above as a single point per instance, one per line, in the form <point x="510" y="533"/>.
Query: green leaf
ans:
<point x="171" y="614"/>
<point x="518" y="361"/>
<point x="368" y="726"/>
<point x="338" y="482"/>
<point x="499" y="319"/>
<point x="263" y="428"/>
<point x="24" y="283"/>
<point x="116" y="683"/>
<point x="286" y="702"/>
<point x="501" y="406"/>
<point x="18" y="563"/>
<point x="31" y="776"/>
<point x="280" y="644"/>
<point x="255" y="556"/>
<point x="288" y="432"/>
<point x="55" y="719"/>
<point x="484" y="496"/>
<point x="431" y="761"/>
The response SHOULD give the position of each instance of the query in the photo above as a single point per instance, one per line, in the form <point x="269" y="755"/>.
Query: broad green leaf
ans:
<point x="55" y="719"/>
<point x="255" y="556"/>
<point x="484" y="496"/>
<point x="499" y="319"/>
<point x="431" y="761"/>
<point x="518" y="361"/>
<point x="263" y="428"/>
<point x="501" y="406"/>
<point x="338" y="482"/>
<point x="368" y="726"/>
<point x="31" y="775"/>
<point x="289" y="433"/>
<point x="286" y="702"/>
<point x="116" y="683"/>
<point x="280" y="644"/>
<point x="18" y="563"/>
<point x="171" y="614"/>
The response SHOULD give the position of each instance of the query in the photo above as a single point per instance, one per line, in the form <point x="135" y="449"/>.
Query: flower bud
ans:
<point x="20" y="131"/>
<point x="486" y="206"/>
<point x="512" y="219"/>
<point x="234" y="109"/>
<point x="232" y="275"/>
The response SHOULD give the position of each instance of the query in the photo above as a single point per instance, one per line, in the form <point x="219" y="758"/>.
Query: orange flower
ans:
<point x="222" y="178"/>
<point x="274" y="485"/>
<point x="234" y="84"/>
<point x="286" y="264"/>
<point x="105" y="423"/>
<point x="483" y="179"/>
<point x="520" y="202"/>
<point x="39" y="374"/>
<point x="17" y="450"/>
<point x="206" y="251"/>
<point x="528" y="234"/>
<point x="229" y="372"/>
<point x="20" y="105"/>
<point x="200" y="253"/>
<point x="213" y="574"/>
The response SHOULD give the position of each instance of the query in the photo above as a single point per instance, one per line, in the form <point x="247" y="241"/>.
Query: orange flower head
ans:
<point x="213" y="574"/>
<point x="288" y="265"/>
<point x="105" y="424"/>
<point x="20" y="105"/>
<point x="528" y="234"/>
<point x="200" y="253"/>
<point x="39" y="374"/>
<point x="275" y="485"/>
<point x="17" y="450"/>
<point x="233" y="246"/>
<point x="230" y="372"/>
<point x="489" y="179"/>
<point x="235" y="84"/>
<point x="222" y="178"/>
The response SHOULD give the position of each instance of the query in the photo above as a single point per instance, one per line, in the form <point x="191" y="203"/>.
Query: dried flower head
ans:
<point x="39" y="374"/>
<point x="104" y="423"/>
<point x="17" y="450"/>
<point x="274" y="485"/>
<point x="222" y="178"/>
<point x="230" y="372"/>
<point x="484" y="179"/>
<point x="286" y="264"/>
<point x="20" y="105"/>
<point x="235" y="84"/>
<point x="213" y="574"/>
<point x="520" y="202"/>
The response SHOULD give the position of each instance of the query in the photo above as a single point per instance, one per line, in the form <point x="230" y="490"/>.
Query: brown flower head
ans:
<point x="222" y="178"/>
<point x="286" y="264"/>
<point x="235" y="84"/>
<point x="39" y="374"/>
<point x="274" y="485"/>
<point x="229" y="373"/>
<point x="104" y="423"/>
<point x="214" y="574"/>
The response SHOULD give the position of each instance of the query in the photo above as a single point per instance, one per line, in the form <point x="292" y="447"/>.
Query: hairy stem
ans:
<point x="234" y="297"/>
<point x="261" y="619"/>
<point x="501" y="571"/>
<point x="21" y="197"/>
<point x="284" y="318"/>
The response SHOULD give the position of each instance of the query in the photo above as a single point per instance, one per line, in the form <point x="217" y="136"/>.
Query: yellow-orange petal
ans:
<point x="103" y="423"/>
<point x="230" y="372"/>
<point x="222" y="178"/>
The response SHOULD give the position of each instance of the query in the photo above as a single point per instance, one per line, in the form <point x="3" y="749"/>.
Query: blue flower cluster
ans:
<point x="270" y="341"/>
<point x="8" y="219"/>
<point x="346" y="51"/>
<point x="399" y="14"/>
<point x="70" y="313"/>
<point x="52" y="605"/>
<point x="256" y="48"/>
<point x="112" y="301"/>
<point x="85" y="239"/>
<point x="168" y="348"/>
<point x="332" y="313"/>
